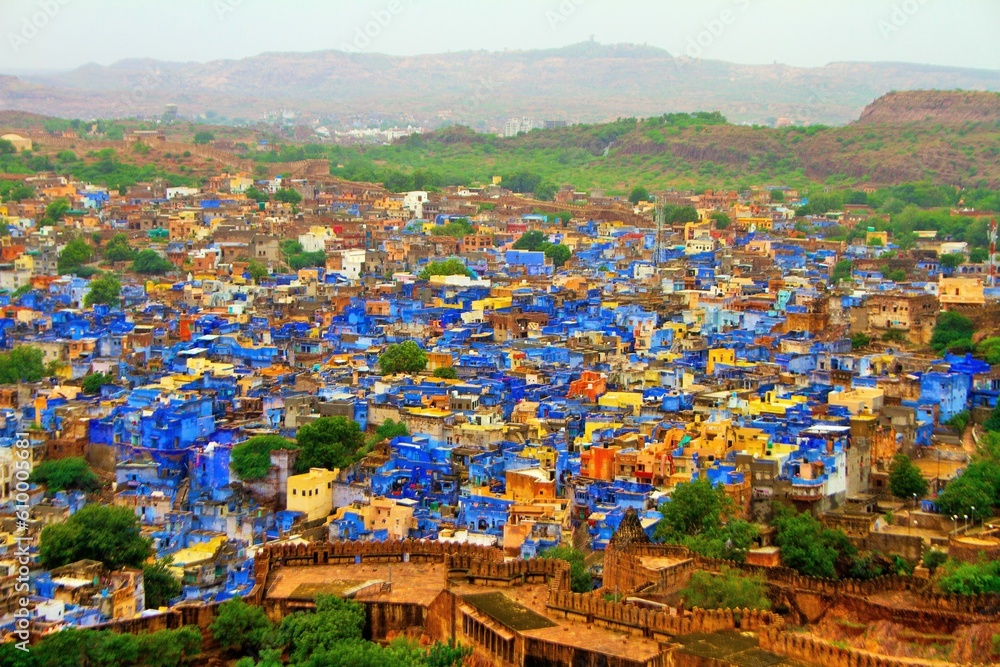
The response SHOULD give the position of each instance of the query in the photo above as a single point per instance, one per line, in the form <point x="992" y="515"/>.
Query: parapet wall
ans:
<point x="657" y="624"/>
<point x="814" y="651"/>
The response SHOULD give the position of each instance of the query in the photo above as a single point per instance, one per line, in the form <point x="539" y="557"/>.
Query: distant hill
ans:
<point x="587" y="82"/>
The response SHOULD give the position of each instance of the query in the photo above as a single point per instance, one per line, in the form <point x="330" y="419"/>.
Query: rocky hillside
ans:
<point x="587" y="82"/>
<point x="935" y="107"/>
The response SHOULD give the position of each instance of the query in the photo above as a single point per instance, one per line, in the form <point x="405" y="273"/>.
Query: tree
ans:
<point x="106" y="533"/>
<point x="545" y="191"/>
<point x="251" y="460"/>
<point x="446" y="373"/>
<point x="149" y="262"/>
<point x="241" y="627"/>
<point x="581" y="581"/>
<point x="860" y="340"/>
<point x="523" y="182"/>
<point x="159" y="583"/>
<point x="76" y="253"/>
<point x="683" y="214"/>
<point x="104" y="289"/>
<point x="807" y="546"/>
<point x="23" y="363"/>
<point x="169" y="648"/>
<point x="448" y="267"/>
<point x="959" y="578"/>
<point x="390" y="429"/>
<point x="93" y="382"/>
<point x="305" y="260"/>
<point x="951" y="260"/>
<point x="730" y="589"/>
<point x="329" y="442"/>
<point x="700" y="517"/>
<point x="533" y="240"/>
<point x="988" y="349"/>
<point x="288" y="196"/>
<point x="55" y="211"/>
<point x="842" y="271"/>
<point x="558" y="253"/>
<point x="405" y="357"/>
<point x="638" y="194"/>
<point x="65" y="474"/>
<point x="203" y="137"/>
<point x="950" y="328"/>
<point x="722" y="221"/>
<point x="963" y="493"/>
<point x="777" y="196"/>
<point x="118" y="249"/>
<point x="896" y="275"/>
<point x="7" y="147"/>
<point x="905" y="478"/>
<point x="695" y="507"/>
<point x="255" y="194"/>
<point x="334" y="621"/>
<point x="258" y="272"/>
<point x="979" y="255"/>
<point x="457" y="228"/>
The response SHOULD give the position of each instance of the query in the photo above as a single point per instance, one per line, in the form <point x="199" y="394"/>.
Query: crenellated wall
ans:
<point x="657" y="624"/>
<point x="814" y="651"/>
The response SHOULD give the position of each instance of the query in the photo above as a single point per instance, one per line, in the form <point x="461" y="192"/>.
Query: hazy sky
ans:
<point x="62" y="34"/>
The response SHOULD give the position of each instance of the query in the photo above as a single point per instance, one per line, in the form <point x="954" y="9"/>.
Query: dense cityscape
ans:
<point x="320" y="389"/>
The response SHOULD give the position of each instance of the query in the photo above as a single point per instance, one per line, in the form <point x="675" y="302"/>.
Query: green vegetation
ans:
<point x="76" y="253"/>
<point x="979" y="485"/>
<point x="203" y="137"/>
<point x="951" y="328"/>
<point x="23" y="363"/>
<point x="860" y="340"/>
<point x="842" y="271"/>
<point x="722" y="220"/>
<point x="106" y="533"/>
<point x="118" y="249"/>
<point x="809" y="547"/>
<point x="257" y="195"/>
<point x="638" y="194"/>
<point x="960" y="421"/>
<point x="251" y="460"/>
<point x="149" y="262"/>
<point x="159" y="583"/>
<point x="329" y="442"/>
<point x="457" y="228"/>
<point x="330" y="636"/>
<point x="93" y="382"/>
<point x="532" y="240"/>
<point x="700" y="517"/>
<point x="905" y="479"/>
<point x="258" y="271"/>
<point x="54" y="212"/>
<point x="730" y="589"/>
<point x="390" y="429"/>
<point x="65" y="474"/>
<point x="969" y="578"/>
<point x="446" y="373"/>
<point x="452" y="266"/>
<point x="558" y="253"/>
<point x="288" y="196"/>
<point x="104" y="289"/>
<point x="241" y="627"/>
<point x="952" y="260"/>
<point x="581" y="581"/>
<point x="73" y="647"/>
<point x="934" y="558"/>
<point x="405" y="357"/>
<point x="988" y="350"/>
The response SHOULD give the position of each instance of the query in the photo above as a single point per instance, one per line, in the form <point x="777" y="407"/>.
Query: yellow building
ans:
<point x="862" y="399"/>
<point x="312" y="493"/>
<point x="961" y="291"/>
<point x="630" y="400"/>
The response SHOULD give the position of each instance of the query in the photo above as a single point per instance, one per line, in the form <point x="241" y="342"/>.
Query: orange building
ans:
<point x="590" y="386"/>
<point x="598" y="462"/>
